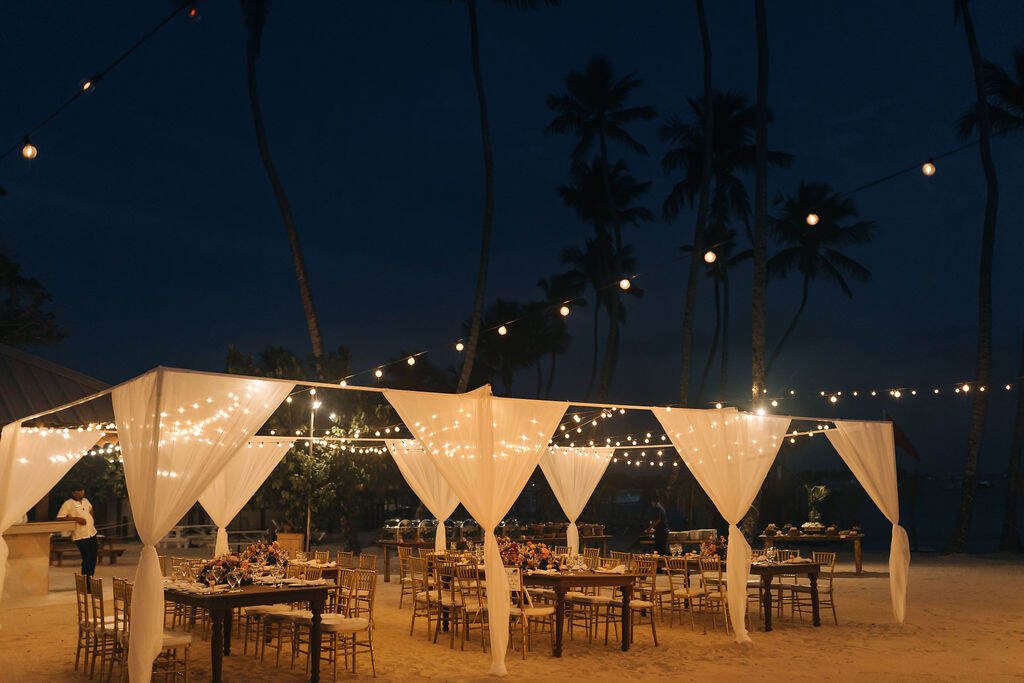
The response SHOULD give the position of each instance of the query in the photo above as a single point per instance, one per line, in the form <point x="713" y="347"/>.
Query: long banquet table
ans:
<point x="220" y="605"/>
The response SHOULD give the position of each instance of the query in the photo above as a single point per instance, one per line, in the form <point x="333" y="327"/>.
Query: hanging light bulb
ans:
<point x="378" y="373"/>
<point x="502" y="330"/>
<point x="563" y="311"/>
<point x="966" y="387"/>
<point x="411" y="360"/>
<point x="624" y="283"/>
<point x="833" y="399"/>
<point x="28" y="150"/>
<point x="710" y="256"/>
<point x="459" y="346"/>
<point x="812" y="219"/>
<point x="89" y="84"/>
<point x="193" y="13"/>
<point x="718" y="405"/>
<point x="775" y="404"/>
<point x="928" y="168"/>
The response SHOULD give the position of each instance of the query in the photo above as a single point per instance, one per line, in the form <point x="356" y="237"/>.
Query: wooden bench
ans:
<point x="58" y="549"/>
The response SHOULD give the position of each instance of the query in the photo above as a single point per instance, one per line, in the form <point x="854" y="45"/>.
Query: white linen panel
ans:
<point x="486" y="448"/>
<point x="426" y="482"/>
<point x="238" y="482"/>
<point x="177" y="430"/>
<point x="32" y="461"/>
<point x="729" y="454"/>
<point x="868" y="449"/>
<point x="573" y="474"/>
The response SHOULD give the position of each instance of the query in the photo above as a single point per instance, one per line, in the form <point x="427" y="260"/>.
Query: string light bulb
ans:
<point x="378" y="373"/>
<point x="28" y="150"/>
<point x="502" y="330"/>
<point x="966" y="387"/>
<point x="88" y="85"/>
<point x="812" y="219"/>
<point x="928" y="168"/>
<point x="710" y="256"/>
<point x="563" y="311"/>
<point x="411" y="360"/>
<point x="459" y="346"/>
<point x="833" y="399"/>
<point x="624" y="284"/>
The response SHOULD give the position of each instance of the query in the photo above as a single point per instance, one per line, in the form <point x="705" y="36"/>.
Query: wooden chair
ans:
<point x="346" y="559"/>
<point x="346" y="633"/>
<point x="642" y="606"/>
<point x="801" y="594"/>
<point x="367" y="561"/>
<point x="405" y="581"/>
<point x="684" y="595"/>
<point x="625" y="559"/>
<point x="85" y="625"/>
<point x="323" y="556"/>
<point x="590" y="555"/>
<point x="170" y="663"/>
<point x="450" y="593"/>
<point x="526" y="615"/>
<point x="713" y="585"/>
<point x="425" y="599"/>
<point x="474" y="604"/>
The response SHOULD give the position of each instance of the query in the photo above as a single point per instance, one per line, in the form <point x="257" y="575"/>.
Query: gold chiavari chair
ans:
<point x="715" y="600"/>
<point x="104" y="639"/>
<point x="322" y="556"/>
<point x="85" y="625"/>
<point x="450" y="593"/>
<point x="801" y="594"/>
<point x="425" y="598"/>
<point x="526" y="615"/>
<point x="346" y="559"/>
<point x="348" y="633"/>
<point x="405" y="581"/>
<point x="169" y="664"/>
<point x="473" y="602"/>
<point x="367" y="561"/>
<point x="560" y="549"/>
<point x="625" y="559"/>
<point x="684" y="595"/>
<point x="784" y="584"/>
<point x="590" y="555"/>
<point x="642" y="606"/>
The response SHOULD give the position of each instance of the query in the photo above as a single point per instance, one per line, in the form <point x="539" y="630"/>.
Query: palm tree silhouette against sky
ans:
<point x="563" y="288"/>
<point x="814" y="251"/>
<point x="254" y="13"/>
<point x="488" y="216"/>
<point x="1005" y="94"/>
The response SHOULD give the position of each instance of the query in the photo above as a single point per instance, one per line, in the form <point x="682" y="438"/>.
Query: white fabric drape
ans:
<point x="486" y="448"/>
<point x="177" y="430"/>
<point x="238" y="481"/>
<point x="573" y="474"/>
<point x="729" y="455"/>
<point x="32" y="461"/>
<point x="868" y="450"/>
<point x="426" y="482"/>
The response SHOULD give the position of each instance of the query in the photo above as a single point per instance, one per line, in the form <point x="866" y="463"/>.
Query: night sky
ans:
<point x="148" y="216"/>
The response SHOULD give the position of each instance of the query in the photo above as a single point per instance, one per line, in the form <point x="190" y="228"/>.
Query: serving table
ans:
<point x="563" y="581"/>
<point x="768" y="571"/>
<point x="220" y="604"/>
<point x="855" y="539"/>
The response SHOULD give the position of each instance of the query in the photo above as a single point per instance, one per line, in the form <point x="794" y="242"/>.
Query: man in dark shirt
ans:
<point x="660" y="523"/>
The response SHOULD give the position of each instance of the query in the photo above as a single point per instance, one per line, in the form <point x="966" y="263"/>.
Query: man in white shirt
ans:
<point x="78" y="509"/>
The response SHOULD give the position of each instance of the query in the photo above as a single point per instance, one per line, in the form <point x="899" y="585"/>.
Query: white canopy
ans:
<point x="486" y="448"/>
<point x="228" y="493"/>
<point x="573" y="474"/>
<point x="426" y="482"/>
<point x="729" y="454"/>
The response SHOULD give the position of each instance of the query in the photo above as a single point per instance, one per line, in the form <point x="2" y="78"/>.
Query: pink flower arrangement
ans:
<point x="527" y="555"/>
<point x="226" y="564"/>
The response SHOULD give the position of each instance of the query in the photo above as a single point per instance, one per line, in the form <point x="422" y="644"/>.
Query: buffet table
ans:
<point x="855" y="539"/>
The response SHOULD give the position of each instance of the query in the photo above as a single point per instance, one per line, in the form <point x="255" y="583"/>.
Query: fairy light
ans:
<point x="411" y="360"/>
<point x="502" y="330"/>
<point x="928" y="168"/>
<point x="459" y="346"/>
<point x="563" y="311"/>
<point x="378" y="373"/>
<point x="624" y="284"/>
<point x="28" y="150"/>
<point x="812" y="219"/>
<point x="710" y="256"/>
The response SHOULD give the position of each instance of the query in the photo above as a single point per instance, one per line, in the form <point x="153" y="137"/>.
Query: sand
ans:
<point x="964" y="619"/>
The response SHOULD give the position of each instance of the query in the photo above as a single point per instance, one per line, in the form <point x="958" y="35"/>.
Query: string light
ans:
<point x="563" y="311"/>
<point x="710" y="256"/>
<point x="378" y="373"/>
<point x="624" y="284"/>
<point x="812" y="219"/>
<point x="928" y="168"/>
<point x="411" y="360"/>
<point x="28" y="150"/>
<point x="459" y="346"/>
<point x="502" y="330"/>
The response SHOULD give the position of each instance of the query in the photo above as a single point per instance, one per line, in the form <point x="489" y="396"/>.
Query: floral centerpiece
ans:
<point x="265" y="553"/>
<point x="714" y="548"/>
<point x="527" y="555"/>
<point x="218" y="569"/>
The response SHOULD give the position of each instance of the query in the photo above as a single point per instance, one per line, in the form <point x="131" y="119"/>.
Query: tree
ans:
<point x="254" y="12"/>
<point x="488" y="217"/>
<point x="732" y="153"/>
<point x="606" y="200"/>
<point x="814" y="250"/>
<point x="759" y="295"/>
<point x="561" y="289"/>
<point x="1004" y="96"/>
<point x="26" y="315"/>
<point x="503" y="355"/>
<point x="983" y="374"/>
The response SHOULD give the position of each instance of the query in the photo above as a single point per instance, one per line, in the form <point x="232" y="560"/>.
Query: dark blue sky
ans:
<point x="148" y="215"/>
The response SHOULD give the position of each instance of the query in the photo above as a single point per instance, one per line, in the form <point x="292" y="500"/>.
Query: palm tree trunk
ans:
<point x="1010" y="538"/>
<point x="488" y="218"/>
<point x="611" y="348"/>
<point x="724" y="380"/>
<point x="593" y="361"/>
<point x="759" y="296"/>
<point x="714" y="344"/>
<point x="792" y="326"/>
<point x="551" y="376"/>
<point x="958" y="540"/>
<point x="305" y="291"/>
<point x="690" y="303"/>
<point x="540" y="376"/>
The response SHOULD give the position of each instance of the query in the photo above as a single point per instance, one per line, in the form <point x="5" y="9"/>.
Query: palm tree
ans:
<point x="814" y="251"/>
<point x="254" y="12"/>
<point x="1010" y="537"/>
<point x="732" y="152"/>
<point x="958" y="540"/>
<point x="563" y="288"/>
<point x="1005" y="97"/>
<point x="759" y="295"/>
<point x="590" y="188"/>
<point x="592" y="266"/>
<point x="488" y="217"/>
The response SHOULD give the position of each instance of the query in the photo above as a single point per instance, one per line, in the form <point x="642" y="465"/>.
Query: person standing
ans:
<point x="78" y="509"/>
<point x="659" y="522"/>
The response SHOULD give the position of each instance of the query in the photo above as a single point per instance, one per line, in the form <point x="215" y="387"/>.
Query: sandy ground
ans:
<point x="964" y="619"/>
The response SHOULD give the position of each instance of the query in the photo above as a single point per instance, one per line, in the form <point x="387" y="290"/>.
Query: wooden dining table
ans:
<point x="563" y="581"/>
<point x="769" y="570"/>
<point x="220" y="605"/>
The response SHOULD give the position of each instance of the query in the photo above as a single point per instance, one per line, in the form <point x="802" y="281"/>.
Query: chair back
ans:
<point x="323" y="556"/>
<point x="122" y="606"/>
<point x="468" y="579"/>
<point x="364" y="589"/>
<point x="368" y="561"/>
<point x="827" y="562"/>
<point x="346" y="558"/>
<point x="678" y="572"/>
<point x="312" y="573"/>
<point x="95" y="595"/>
<point x="711" y="573"/>
<point x="293" y="571"/>
<point x="645" y="568"/>
<point x="624" y="559"/>
<point x="560" y="549"/>
<point x="82" y="601"/>
<point x="781" y="554"/>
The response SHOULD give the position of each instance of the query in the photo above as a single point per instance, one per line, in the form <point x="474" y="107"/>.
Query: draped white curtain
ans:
<point x="32" y="461"/>
<point x="573" y="474"/>
<point x="868" y="450"/>
<point x="486" y="448"/>
<point x="729" y="454"/>
<point x="426" y="482"/>
<point x="238" y="481"/>
<point x="177" y="431"/>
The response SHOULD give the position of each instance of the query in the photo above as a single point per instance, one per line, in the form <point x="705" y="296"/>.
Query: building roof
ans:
<point x="30" y="384"/>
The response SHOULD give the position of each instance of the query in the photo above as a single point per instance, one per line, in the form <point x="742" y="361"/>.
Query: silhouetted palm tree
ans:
<point x="983" y="375"/>
<point x="1005" y="99"/>
<point x="563" y="288"/>
<point x="759" y="290"/>
<point x="815" y="250"/>
<point x="254" y="12"/>
<point x="488" y="217"/>
<point x="585" y="193"/>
